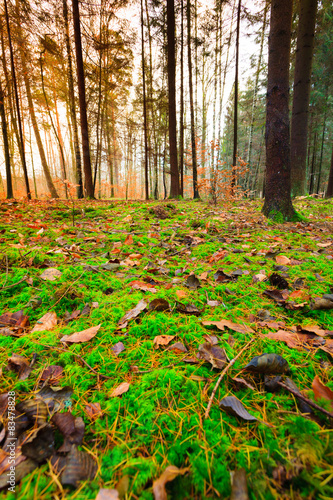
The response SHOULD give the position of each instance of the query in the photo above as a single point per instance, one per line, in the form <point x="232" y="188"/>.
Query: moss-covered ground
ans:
<point x="160" y="420"/>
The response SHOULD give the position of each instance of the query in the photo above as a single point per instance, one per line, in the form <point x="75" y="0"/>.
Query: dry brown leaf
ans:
<point x="83" y="336"/>
<point x="93" y="410"/>
<point x="51" y="274"/>
<point x="229" y="324"/>
<point x="170" y="473"/>
<point x="133" y="313"/>
<point x="121" y="389"/>
<point x="46" y="322"/>
<point x="129" y="240"/>
<point x="321" y="390"/>
<point x="312" y="329"/>
<point x="282" y="260"/>
<point x="181" y="294"/>
<point x="105" y="494"/>
<point x="162" y="340"/>
<point x="292" y="339"/>
<point x="217" y="256"/>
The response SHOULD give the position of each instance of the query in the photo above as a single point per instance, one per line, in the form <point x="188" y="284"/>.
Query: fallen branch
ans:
<point x="210" y="402"/>
<point x="306" y="400"/>
<point x="14" y="284"/>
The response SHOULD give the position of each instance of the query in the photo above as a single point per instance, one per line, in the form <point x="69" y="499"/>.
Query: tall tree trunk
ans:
<point x="321" y="151"/>
<point x="234" y="155"/>
<point x="255" y="93"/>
<point x="145" y="131"/>
<point x="78" y="165"/>
<point x="6" y="145"/>
<point x="181" y="138"/>
<point x="329" y="191"/>
<point x="175" y="188"/>
<point x="21" y="143"/>
<point x="193" y="142"/>
<point x="278" y="203"/>
<point x="313" y="163"/>
<point x="88" y="181"/>
<point x="302" y="85"/>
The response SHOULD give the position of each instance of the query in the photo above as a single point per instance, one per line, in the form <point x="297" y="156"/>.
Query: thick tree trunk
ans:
<point x="278" y="203"/>
<point x="193" y="143"/>
<point x="6" y="145"/>
<point x="175" y="188"/>
<point x="302" y="85"/>
<point x="88" y="181"/>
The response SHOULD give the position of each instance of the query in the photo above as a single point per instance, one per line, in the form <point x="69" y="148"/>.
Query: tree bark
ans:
<point x="302" y="87"/>
<point x="329" y="192"/>
<point x="6" y="145"/>
<point x="71" y="95"/>
<point x="174" y="188"/>
<point x="193" y="143"/>
<point x="234" y="155"/>
<point x="145" y="131"/>
<point x="278" y="203"/>
<point x="88" y="181"/>
<point x="21" y="142"/>
<point x="181" y="138"/>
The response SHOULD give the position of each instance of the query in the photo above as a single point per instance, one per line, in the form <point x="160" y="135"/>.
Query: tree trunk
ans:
<point x="88" y="181"/>
<point x="145" y="131"/>
<point x="21" y="142"/>
<point x="6" y="145"/>
<point x="329" y="192"/>
<point x="234" y="156"/>
<point x="193" y="143"/>
<point x="175" y="188"/>
<point x="78" y="165"/>
<point x="302" y="86"/>
<point x="313" y="163"/>
<point x="278" y="203"/>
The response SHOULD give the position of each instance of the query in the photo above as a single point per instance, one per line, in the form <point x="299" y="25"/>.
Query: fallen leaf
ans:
<point x="159" y="305"/>
<point x="312" y="329"/>
<point x="141" y="285"/>
<point x="232" y="406"/>
<point x="278" y="281"/>
<point x="181" y="294"/>
<point x="39" y="445"/>
<point x="178" y="347"/>
<point x="83" y="336"/>
<point x="267" y="363"/>
<point x="128" y="240"/>
<point x="229" y="324"/>
<point x="133" y="313"/>
<point x="93" y="410"/>
<point x="20" y="365"/>
<point x="282" y="260"/>
<point x="170" y="473"/>
<point x="118" y="348"/>
<point x="51" y="274"/>
<point x="46" y="322"/>
<point x="259" y="277"/>
<point x="162" y="340"/>
<point x="53" y="374"/>
<point x="322" y="304"/>
<point x="213" y="354"/>
<point x="242" y="381"/>
<point x="79" y="466"/>
<point x="279" y="296"/>
<point x="221" y="277"/>
<point x="192" y="282"/>
<point x="189" y="309"/>
<point x="217" y="256"/>
<point x="121" y="389"/>
<point x="321" y="390"/>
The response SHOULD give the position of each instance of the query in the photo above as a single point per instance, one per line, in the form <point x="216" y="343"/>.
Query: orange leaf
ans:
<point x="321" y="390"/>
<point x="129" y="240"/>
<point x="121" y="389"/>
<point x="83" y="336"/>
<point x="162" y="340"/>
<point x="282" y="260"/>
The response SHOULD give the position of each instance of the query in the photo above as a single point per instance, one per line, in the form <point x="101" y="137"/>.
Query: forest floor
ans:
<point x="116" y="326"/>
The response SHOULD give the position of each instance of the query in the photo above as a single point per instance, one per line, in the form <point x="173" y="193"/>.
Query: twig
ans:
<point x="210" y="402"/>
<point x="76" y="355"/>
<point x="161" y="367"/>
<point x="14" y="284"/>
<point x="70" y="286"/>
<point x="306" y="400"/>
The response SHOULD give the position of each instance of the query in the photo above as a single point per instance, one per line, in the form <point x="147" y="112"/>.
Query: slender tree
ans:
<point x="18" y="111"/>
<point x="88" y="180"/>
<point x="278" y="203"/>
<point x="302" y="83"/>
<point x="145" y="130"/>
<point x="193" y="143"/>
<point x="234" y="156"/>
<point x="6" y="144"/>
<point x="174" y="188"/>
<point x="329" y="191"/>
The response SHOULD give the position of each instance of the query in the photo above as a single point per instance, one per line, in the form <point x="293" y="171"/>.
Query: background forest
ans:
<point x="124" y="48"/>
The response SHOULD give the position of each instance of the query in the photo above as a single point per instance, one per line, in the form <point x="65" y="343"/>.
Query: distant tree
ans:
<point x="301" y="96"/>
<point x="6" y="144"/>
<point x="329" y="192"/>
<point x="278" y="203"/>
